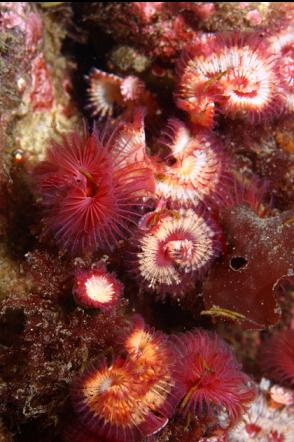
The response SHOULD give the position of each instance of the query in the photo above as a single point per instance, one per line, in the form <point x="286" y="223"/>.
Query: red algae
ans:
<point x="166" y="29"/>
<point x="78" y="433"/>
<point x="47" y="346"/>
<point x="50" y="275"/>
<point x="138" y="22"/>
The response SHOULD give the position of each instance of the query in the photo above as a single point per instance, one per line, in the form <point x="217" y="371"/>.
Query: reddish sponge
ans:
<point x="91" y="197"/>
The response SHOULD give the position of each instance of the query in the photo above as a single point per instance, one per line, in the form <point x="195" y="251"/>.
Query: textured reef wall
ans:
<point x="146" y="222"/>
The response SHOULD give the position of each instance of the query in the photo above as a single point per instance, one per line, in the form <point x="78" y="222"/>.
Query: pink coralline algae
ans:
<point x="42" y="95"/>
<point x="21" y="36"/>
<point x="18" y="15"/>
<point x="36" y="85"/>
<point x="163" y="29"/>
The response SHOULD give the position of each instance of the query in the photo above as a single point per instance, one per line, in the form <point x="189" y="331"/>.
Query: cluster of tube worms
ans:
<point x="97" y="188"/>
<point x="151" y="199"/>
<point x="135" y="395"/>
<point x="107" y="185"/>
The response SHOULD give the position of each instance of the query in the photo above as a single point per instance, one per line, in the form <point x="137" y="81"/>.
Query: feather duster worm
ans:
<point x="90" y="195"/>
<point x="129" y="143"/>
<point x="104" y="93"/>
<point x="154" y="362"/>
<point x="211" y="376"/>
<point x="236" y="75"/>
<point x="198" y="90"/>
<point x="97" y="288"/>
<point x="132" y="88"/>
<point x="199" y="171"/>
<point x="174" y="248"/>
<point x="252" y="193"/>
<point x="131" y="398"/>
<point x="263" y="423"/>
<point x="277" y="357"/>
<point x="109" y="93"/>
<point x="283" y="45"/>
<point x="106" y="400"/>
